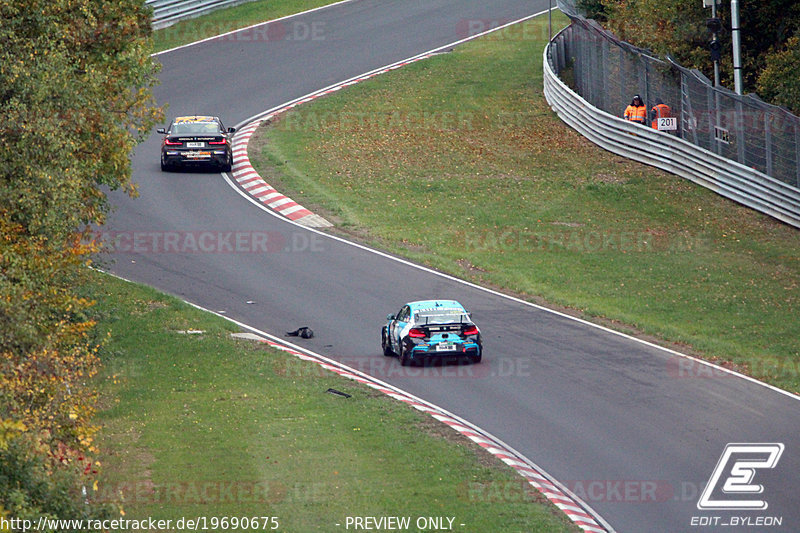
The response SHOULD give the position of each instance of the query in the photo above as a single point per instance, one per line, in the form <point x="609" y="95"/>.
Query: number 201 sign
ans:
<point x="667" y="124"/>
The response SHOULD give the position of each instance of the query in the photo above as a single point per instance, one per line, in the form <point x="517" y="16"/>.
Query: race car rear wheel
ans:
<point x="226" y="167"/>
<point x="405" y="360"/>
<point x="387" y="349"/>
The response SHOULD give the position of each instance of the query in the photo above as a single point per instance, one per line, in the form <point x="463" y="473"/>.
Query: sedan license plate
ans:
<point x="195" y="145"/>
<point x="445" y="347"/>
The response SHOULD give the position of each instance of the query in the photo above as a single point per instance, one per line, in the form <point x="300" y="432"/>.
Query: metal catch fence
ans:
<point x="607" y="72"/>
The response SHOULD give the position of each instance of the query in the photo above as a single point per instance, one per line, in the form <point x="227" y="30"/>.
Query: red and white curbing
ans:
<point x="576" y="510"/>
<point x="250" y="180"/>
<point x="247" y="178"/>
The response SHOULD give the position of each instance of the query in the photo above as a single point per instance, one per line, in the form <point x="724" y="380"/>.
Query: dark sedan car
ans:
<point x="196" y="140"/>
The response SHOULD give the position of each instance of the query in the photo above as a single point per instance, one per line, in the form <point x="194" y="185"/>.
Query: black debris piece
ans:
<point x="305" y="332"/>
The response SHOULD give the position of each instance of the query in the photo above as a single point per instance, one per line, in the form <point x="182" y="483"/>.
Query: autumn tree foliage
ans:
<point x="48" y="355"/>
<point x="779" y="82"/>
<point x="75" y="97"/>
<point x="678" y="28"/>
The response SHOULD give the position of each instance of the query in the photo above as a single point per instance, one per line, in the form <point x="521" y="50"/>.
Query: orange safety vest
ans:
<point x="636" y="114"/>
<point x="660" y="111"/>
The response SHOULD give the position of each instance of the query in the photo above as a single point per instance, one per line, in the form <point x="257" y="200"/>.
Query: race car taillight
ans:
<point x="223" y="141"/>
<point x="470" y="330"/>
<point x="416" y="333"/>
<point x="172" y="143"/>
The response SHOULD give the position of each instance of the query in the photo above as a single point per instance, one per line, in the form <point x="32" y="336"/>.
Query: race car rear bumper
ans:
<point x="195" y="157"/>
<point x="430" y="351"/>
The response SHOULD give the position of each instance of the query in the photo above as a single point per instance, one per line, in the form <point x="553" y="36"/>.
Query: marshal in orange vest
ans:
<point x="660" y="110"/>
<point x="637" y="111"/>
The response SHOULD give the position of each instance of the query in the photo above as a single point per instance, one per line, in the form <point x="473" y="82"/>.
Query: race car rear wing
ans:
<point x="437" y="320"/>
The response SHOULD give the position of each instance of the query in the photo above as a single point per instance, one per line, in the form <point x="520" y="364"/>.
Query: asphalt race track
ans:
<point x="633" y="429"/>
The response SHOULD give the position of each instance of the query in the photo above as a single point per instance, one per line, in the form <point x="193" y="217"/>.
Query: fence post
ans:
<point x="623" y="78"/>
<point x="768" y="143"/>
<point x="797" y="151"/>
<point x="591" y="64"/>
<point x="740" y="133"/>
<point x="603" y="100"/>
<point x="687" y="113"/>
<point x="715" y="123"/>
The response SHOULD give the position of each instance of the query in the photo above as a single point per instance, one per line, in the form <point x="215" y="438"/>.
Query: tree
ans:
<point x="779" y="82"/>
<point x="48" y="356"/>
<point x="75" y="79"/>
<point x="593" y="9"/>
<point x="75" y="97"/>
<point x="677" y="28"/>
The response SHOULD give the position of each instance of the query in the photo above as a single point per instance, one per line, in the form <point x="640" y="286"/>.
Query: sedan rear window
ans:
<point x="195" y="127"/>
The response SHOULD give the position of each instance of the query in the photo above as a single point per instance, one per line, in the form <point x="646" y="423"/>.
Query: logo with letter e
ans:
<point x="731" y="484"/>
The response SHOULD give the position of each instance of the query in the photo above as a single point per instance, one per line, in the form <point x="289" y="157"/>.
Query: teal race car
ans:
<point x="431" y="329"/>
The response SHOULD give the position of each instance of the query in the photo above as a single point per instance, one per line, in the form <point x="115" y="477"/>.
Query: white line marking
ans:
<point x="564" y="494"/>
<point x="221" y="35"/>
<point x="587" y="522"/>
<point x="254" y="201"/>
<point x="468" y="283"/>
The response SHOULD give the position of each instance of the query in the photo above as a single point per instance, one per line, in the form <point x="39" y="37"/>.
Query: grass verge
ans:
<point x="457" y="162"/>
<point x="199" y="425"/>
<point x="233" y="18"/>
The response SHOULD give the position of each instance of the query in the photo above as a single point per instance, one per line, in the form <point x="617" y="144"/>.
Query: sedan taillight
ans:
<point x="223" y="141"/>
<point x="416" y="333"/>
<point x="470" y="330"/>
<point x="172" y="143"/>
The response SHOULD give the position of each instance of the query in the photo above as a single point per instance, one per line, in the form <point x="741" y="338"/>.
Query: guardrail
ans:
<point x="641" y="143"/>
<point x="168" y="12"/>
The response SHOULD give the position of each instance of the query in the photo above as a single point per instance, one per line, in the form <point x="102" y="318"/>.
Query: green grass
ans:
<point x="458" y="162"/>
<point x="203" y="425"/>
<point x="233" y="18"/>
